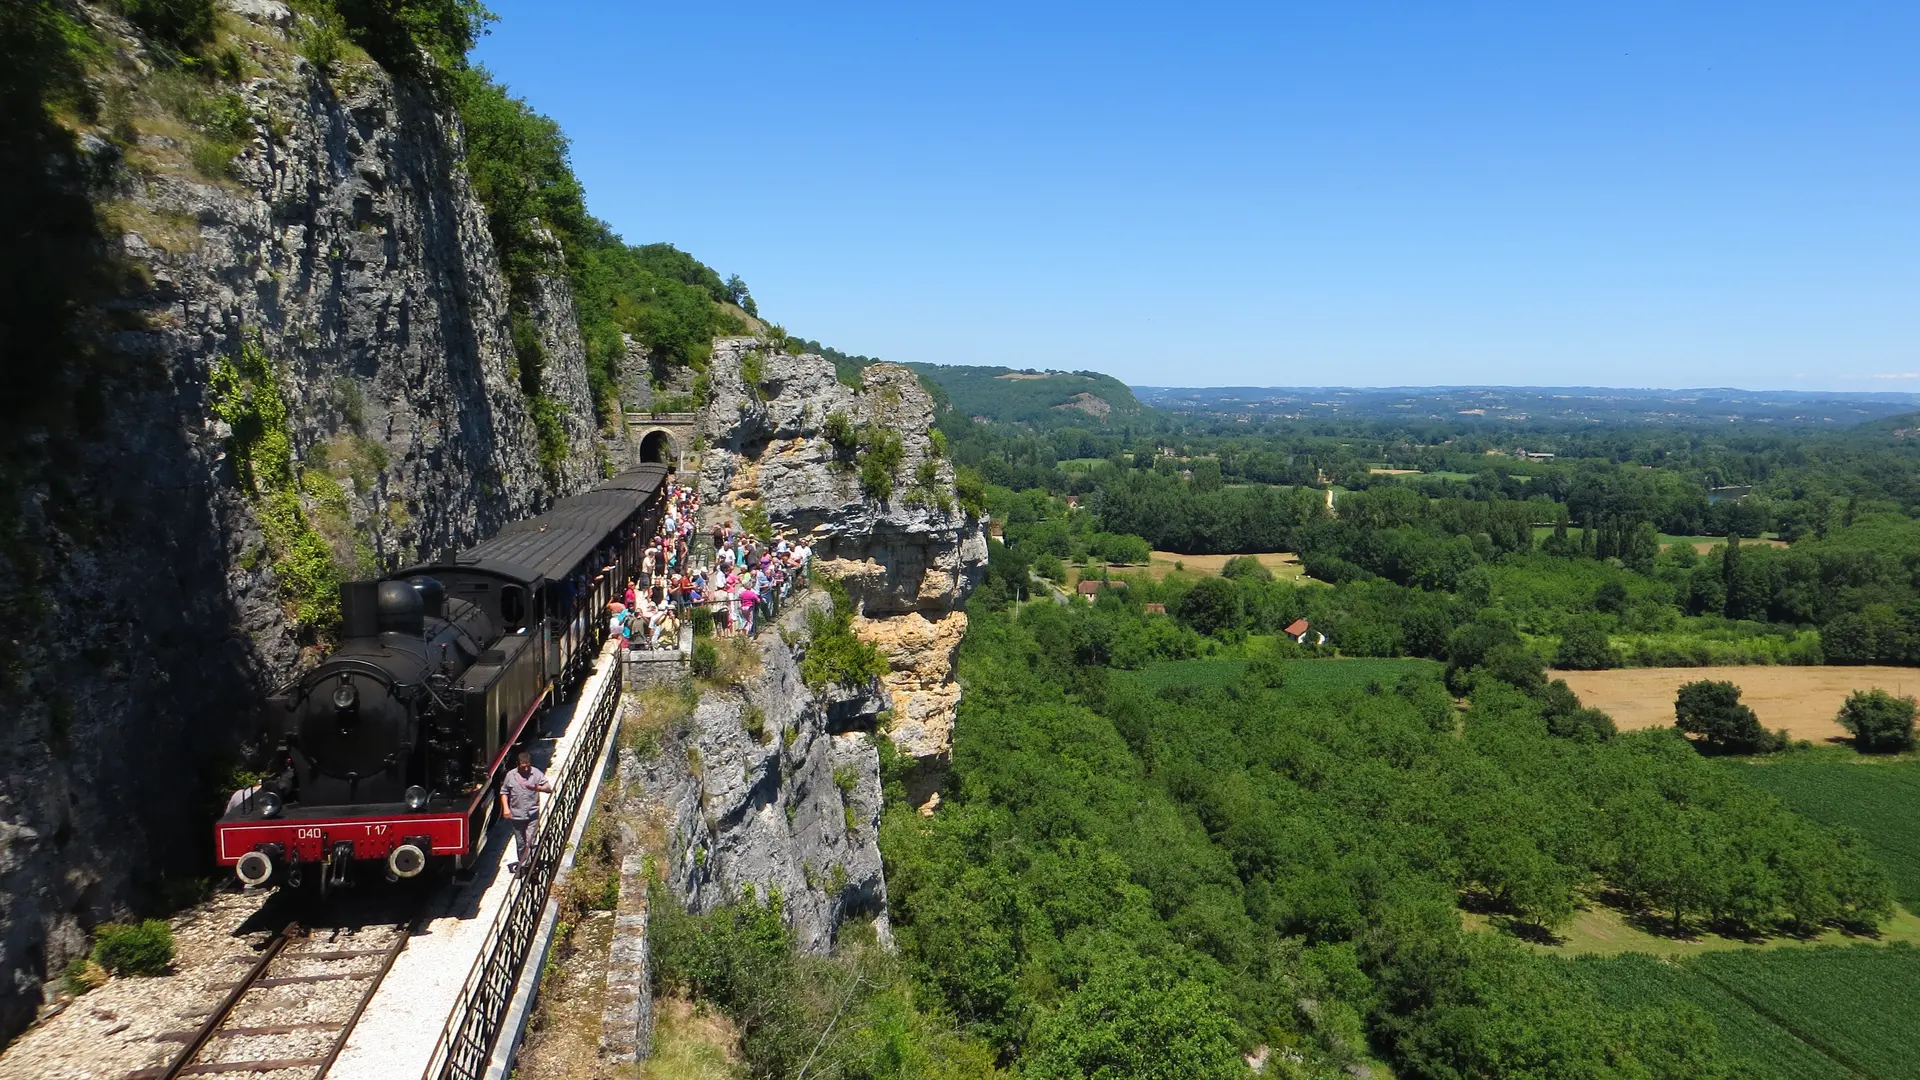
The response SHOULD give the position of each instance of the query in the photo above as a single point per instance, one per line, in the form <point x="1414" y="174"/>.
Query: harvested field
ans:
<point x="1284" y="564"/>
<point x="1801" y="699"/>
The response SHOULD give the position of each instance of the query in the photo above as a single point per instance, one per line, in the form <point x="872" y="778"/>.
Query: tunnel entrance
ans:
<point x="657" y="448"/>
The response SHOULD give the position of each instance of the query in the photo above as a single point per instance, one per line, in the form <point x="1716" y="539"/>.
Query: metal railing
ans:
<point x="467" y="1041"/>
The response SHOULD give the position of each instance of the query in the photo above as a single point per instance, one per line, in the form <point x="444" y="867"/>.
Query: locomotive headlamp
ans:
<point x="269" y="804"/>
<point x="416" y="798"/>
<point x="345" y="697"/>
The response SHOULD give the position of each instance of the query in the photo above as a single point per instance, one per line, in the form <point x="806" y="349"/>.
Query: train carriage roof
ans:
<point x="553" y="544"/>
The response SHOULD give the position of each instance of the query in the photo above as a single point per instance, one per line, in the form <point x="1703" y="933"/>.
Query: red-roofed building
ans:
<point x="1297" y="630"/>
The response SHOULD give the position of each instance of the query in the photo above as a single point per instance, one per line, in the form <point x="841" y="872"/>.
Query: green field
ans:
<point x="1878" y="797"/>
<point x="1798" y="1014"/>
<point x="1324" y="675"/>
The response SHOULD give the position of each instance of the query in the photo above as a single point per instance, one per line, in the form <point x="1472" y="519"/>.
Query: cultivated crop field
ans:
<point x="1795" y="1014"/>
<point x="1801" y="699"/>
<point x="1879" y="798"/>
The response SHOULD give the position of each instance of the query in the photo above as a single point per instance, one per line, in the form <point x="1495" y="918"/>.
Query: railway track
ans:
<point x="289" y="1015"/>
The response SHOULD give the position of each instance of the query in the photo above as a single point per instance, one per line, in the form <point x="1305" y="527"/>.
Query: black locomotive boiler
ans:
<point x="389" y="750"/>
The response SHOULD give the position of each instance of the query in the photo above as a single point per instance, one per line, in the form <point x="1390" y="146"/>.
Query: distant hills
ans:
<point x="1534" y="404"/>
<point x="1089" y="398"/>
<point x="1044" y="398"/>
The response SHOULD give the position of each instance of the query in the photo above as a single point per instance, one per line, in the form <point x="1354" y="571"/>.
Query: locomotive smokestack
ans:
<point x="359" y="609"/>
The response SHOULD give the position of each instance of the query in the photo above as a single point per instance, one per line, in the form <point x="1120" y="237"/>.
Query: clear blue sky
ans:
<point x="1628" y="194"/>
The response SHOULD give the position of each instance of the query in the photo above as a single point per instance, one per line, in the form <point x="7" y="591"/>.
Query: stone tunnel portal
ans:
<point x="657" y="446"/>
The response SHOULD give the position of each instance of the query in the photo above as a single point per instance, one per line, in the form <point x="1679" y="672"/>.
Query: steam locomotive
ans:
<point x="389" y="751"/>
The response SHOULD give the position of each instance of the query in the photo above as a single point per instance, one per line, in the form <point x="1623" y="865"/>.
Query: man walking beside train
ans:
<point x="520" y="805"/>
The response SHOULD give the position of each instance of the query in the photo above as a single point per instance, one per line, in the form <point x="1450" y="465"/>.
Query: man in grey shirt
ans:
<point x="520" y="805"/>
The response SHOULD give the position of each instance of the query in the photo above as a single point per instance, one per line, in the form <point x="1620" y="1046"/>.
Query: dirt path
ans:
<point x="1801" y="699"/>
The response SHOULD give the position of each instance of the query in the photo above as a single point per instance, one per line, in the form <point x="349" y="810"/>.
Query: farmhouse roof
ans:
<point x="1297" y="627"/>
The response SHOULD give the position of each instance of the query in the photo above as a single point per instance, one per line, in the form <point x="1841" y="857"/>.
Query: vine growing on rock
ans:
<point x="245" y="395"/>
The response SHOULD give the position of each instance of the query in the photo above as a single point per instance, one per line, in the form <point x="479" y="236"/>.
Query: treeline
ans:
<point x="1119" y="861"/>
<point x="1404" y="558"/>
<point x="662" y="297"/>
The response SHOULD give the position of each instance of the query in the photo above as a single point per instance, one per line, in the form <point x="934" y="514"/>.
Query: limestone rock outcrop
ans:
<point x="773" y="787"/>
<point x="792" y="445"/>
<point x="146" y="612"/>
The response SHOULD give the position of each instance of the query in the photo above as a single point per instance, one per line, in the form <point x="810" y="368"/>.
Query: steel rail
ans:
<point x="186" y="1062"/>
<point x="219" y="1015"/>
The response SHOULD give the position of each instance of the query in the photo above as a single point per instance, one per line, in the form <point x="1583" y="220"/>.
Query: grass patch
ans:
<point x="1600" y="930"/>
<point x="736" y="660"/>
<point x="691" y="1042"/>
<point x="654" y="712"/>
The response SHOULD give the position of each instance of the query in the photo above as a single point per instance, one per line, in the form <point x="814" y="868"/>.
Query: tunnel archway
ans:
<point x="657" y="448"/>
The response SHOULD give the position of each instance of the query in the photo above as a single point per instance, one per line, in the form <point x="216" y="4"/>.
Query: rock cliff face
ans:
<point x="908" y="559"/>
<point x="343" y="269"/>
<point x="771" y="787"/>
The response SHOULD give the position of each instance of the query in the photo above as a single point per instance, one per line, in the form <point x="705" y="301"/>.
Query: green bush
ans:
<point x="701" y="619"/>
<point x="1880" y="722"/>
<point x="753" y="370"/>
<point x="840" y="435"/>
<point x="1711" y="710"/>
<point x="134" y="948"/>
<point x="182" y="24"/>
<point x="835" y="655"/>
<point x="972" y="489"/>
<point x="324" y="39"/>
<point x="1244" y="566"/>
<point x="394" y="32"/>
<point x="706" y="659"/>
<point x="1584" y="647"/>
<point x="82" y="975"/>
<point x="880" y="454"/>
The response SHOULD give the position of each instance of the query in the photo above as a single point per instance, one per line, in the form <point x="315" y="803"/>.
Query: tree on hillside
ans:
<point x="1584" y="647"/>
<point x="1128" y="1023"/>
<point x="1213" y="607"/>
<point x="1711" y="711"/>
<point x="1880" y="722"/>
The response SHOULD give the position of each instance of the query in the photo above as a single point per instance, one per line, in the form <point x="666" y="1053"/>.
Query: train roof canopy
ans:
<point x="552" y="545"/>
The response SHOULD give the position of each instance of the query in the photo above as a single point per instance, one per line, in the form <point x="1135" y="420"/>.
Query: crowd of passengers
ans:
<point x="747" y="580"/>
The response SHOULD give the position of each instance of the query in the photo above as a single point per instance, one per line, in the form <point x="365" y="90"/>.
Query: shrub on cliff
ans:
<point x="835" y="655"/>
<point x="706" y="659"/>
<point x="134" y="948"/>
<point x="183" y="24"/>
